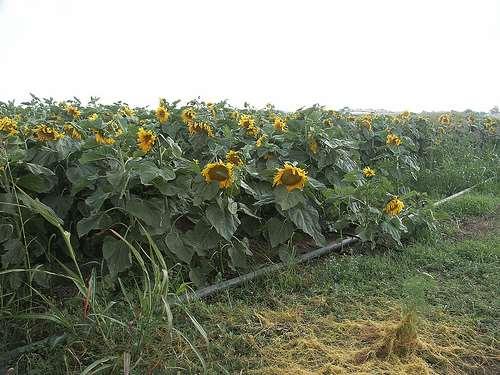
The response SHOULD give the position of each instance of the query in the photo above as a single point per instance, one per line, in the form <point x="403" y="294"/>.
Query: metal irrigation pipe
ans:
<point x="211" y="289"/>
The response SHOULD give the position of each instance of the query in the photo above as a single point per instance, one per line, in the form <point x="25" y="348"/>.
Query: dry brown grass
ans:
<point x="291" y="342"/>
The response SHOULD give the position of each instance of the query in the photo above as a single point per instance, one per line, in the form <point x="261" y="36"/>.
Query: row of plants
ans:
<point x="211" y="187"/>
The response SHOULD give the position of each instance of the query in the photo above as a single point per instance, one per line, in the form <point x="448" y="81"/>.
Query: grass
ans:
<point x="431" y="307"/>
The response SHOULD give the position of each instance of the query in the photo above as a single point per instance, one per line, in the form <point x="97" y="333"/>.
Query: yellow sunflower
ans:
<point x="234" y="157"/>
<point x="393" y="139"/>
<point x="220" y="172"/>
<point x="45" y="133"/>
<point x="405" y="115"/>
<point x="162" y="114"/>
<point x="72" y="110"/>
<point x="394" y="207"/>
<point x="93" y="117"/>
<point x="102" y="140"/>
<point x="445" y="119"/>
<point x="200" y="128"/>
<point x="260" y="141"/>
<point x="188" y="115"/>
<point x="366" y="121"/>
<point x="291" y="177"/>
<point x="327" y="122"/>
<point x="127" y="111"/>
<point x="368" y="172"/>
<point x="71" y="131"/>
<point x="280" y="124"/>
<point x="247" y="122"/>
<point x="8" y="125"/>
<point x="313" y="145"/>
<point x="145" y="139"/>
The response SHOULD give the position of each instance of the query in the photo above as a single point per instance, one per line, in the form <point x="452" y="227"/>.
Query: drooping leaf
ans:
<point x="223" y="221"/>
<point x="306" y="218"/>
<point x="279" y="230"/>
<point x="117" y="255"/>
<point x="175" y="245"/>
<point x="286" y="199"/>
<point x="99" y="220"/>
<point x="15" y="253"/>
<point x="37" y="183"/>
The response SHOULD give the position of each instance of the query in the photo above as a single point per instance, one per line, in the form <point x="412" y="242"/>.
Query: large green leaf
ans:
<point x="306" y="218"/>
<point x="148" y="172"/>
<point x="286" y="199"/>
<point x="117" y="255"/>
<point x="14" y="252"/>
<point x="201" y="238"/>
<point x="99" y="220"/>
<point x="96" y="199"/>
<point x="238" y="256"/>
<point x="223" y="221"/>
<point x="6" y="231"/>
<point x="176" y="246"/>
<point x="37" y="183"/>
<point x="152" y="212"/>
<point x="279" y="230"/>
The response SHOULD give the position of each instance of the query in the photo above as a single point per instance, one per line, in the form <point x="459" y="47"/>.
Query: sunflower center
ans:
<point x="289" y="178"/>
<point x="219" y="173"/>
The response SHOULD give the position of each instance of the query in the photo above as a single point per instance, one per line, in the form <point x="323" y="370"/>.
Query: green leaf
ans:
<point x="117" y="255"/>
<point x="238" y="257"/>
<point x="223" y="221"/>
<point x="148" y="172"/>
<point x="174" y="243"/>
<point x="390" y="229"/>
<point x="201" y="238"/>
<point x="15" y="253"/>
<point x="205" y="191"/>
<point x="152" y="212"/>
<point x="96" y="199"/>
<point x="6" y="231"/>
<point x="100" y="220"/>
<point x="37" y="183"/>
<point x="38" y="169"/>
<point x="306" y="218"/>
<point x="279" y="231"/>
<point x="286" y="199"/>
<point x="286" y="253"/>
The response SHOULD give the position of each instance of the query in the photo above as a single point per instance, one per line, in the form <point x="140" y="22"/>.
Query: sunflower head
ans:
<point x="188" y="115"/>
<point x="8" y="125"/>
<point x="280" y="124"/>
<point x="313" y="145"/>
<point x="234" y="158"/>
<point x="393" y="140"/>
<point x="247" y="122"/>
<point x="71" y="131"/>
<point x="93" y="117"/>
<point x="223" y="173"/>
<point x="366" y="121"/>
<point x="200" y="128"/>
<point x="44" y="133"/>
<point x="162" y="114"/>
<point x="445" y="119"/>
<point x="127" y="111"/>
<point x="103" y="140"/>
<point x="368" y="172"/>
<point x="145" y="140"/>
<point x="327" y="122"/>
<point x="291" y="177"/>
<point x="394" y="207"/>
<point x="405" y="115"/>
<point x="72" y="110"/>
<point x="260" y="141"/>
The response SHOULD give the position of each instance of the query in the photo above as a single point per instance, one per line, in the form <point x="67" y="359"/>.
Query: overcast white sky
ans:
<point x="420" y="54"/>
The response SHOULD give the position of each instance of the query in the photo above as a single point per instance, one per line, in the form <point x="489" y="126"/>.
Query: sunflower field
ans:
<point x="215" y="189"/>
